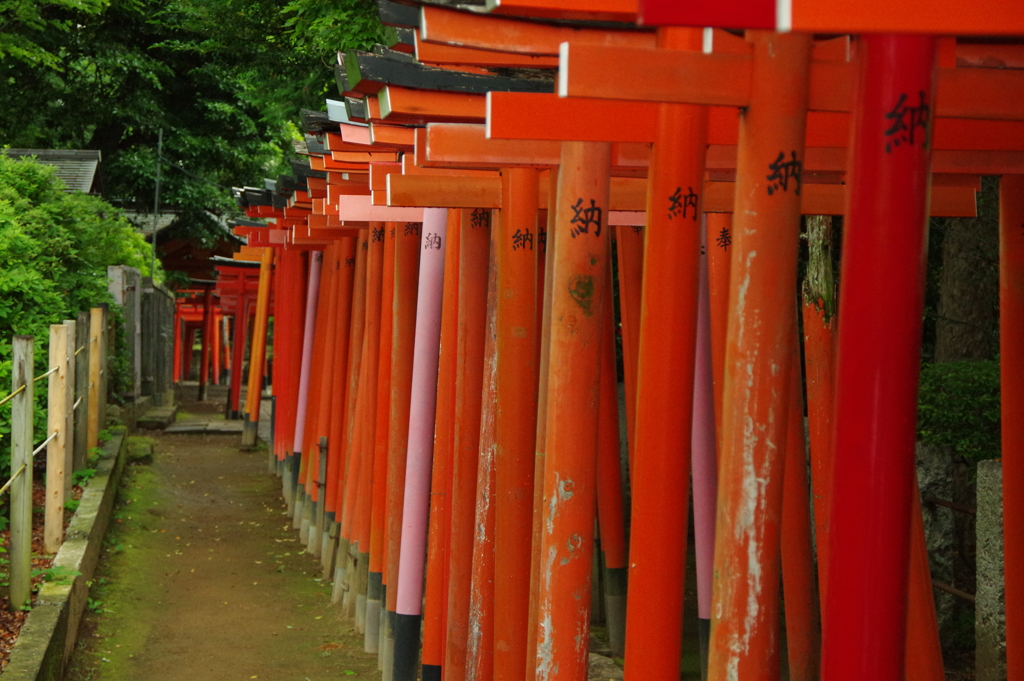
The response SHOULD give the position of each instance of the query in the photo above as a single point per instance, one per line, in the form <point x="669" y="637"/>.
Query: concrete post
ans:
<point x="990" y="609"/>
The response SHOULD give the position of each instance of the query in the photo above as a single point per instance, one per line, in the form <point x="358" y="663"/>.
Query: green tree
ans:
<point x="54" y="251"/>
<point x="223" y="79"/>
<point x="22" y="22"/>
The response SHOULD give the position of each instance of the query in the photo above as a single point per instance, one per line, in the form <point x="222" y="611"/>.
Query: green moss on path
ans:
<point x="203" y="578"/>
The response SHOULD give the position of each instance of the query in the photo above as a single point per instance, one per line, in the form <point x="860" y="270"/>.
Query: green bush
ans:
<point x="958" y="405"/>
<point x="55" y="247"/>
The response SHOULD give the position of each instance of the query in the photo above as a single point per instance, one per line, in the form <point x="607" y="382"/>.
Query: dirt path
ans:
<point x="204" y="579"/>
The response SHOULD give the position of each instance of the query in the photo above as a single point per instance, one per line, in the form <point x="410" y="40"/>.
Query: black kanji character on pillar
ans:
<point x="349" y="262"/>
<point x="377" y="234"/>
<point x="678" y="203"/>
<point x="522" y="240"/>
<point x="637" y="228"/>
<point x="480" y="218"/>
<point x="392" y="232"/>
<point x="432" y="240"/>
<point x="583" y="218"/>
<point x="906" y="120"/>
<point x="412" y="229"/>
<point x="724" y="239"/>
<point x="542" y="240"/>
<point x="784" y="171"/>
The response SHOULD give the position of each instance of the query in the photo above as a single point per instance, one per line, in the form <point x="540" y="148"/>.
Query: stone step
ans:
<point x="158" y="418"/>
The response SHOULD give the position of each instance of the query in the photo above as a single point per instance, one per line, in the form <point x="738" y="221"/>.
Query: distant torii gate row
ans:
<point x="446" y="426"/>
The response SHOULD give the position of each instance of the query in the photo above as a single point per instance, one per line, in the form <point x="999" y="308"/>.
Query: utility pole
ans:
<point x="156" y="202"/>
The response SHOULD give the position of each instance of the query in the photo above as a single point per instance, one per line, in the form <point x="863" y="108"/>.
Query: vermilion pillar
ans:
<point x="378" y="506"/>
<point x="177" y="342"/>
<point x="629" y="246"/>
<point x="258" y="349"/>
<point x="239" y="332"/>
<point x="364" y="481"/>
<point x="216" y="348"/>
<point x="668" y="329"/>
<point x="350" y="414"/>
<point x="288" y="313"/>
<point x="581" y="236"/>
<point x="515" y="425"/>
<point x="204" y="365"/>
<point x="540" y="458"/>
<point x="881" y="301"/>
<point x="719" y="250"/>
<point x="480" y="644"/>
<point x="474" y="246"/>
<point x="407" y="259"/>
<point x="610" y="517"/>
<point x="1011" y="369"/>
<point x="760" y="338"/>
<point x="803" y="618"/>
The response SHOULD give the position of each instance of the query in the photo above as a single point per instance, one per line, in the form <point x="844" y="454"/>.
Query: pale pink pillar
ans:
<point x="704" y="459"/>
<point x="421" y="445"/>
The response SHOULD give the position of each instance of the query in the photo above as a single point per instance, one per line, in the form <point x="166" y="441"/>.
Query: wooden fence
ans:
<point x="77" y="377"/>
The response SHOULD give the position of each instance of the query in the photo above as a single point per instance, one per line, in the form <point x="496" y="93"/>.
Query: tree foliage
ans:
<point x="54" y="251"/>
<point x="21" y="21"/>
<point x="959" y="406"/>
<point x="223" y="79"/>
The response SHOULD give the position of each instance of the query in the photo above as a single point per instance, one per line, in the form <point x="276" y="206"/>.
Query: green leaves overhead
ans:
<point x="224" y="79"/>
<point x="23" y="21"/>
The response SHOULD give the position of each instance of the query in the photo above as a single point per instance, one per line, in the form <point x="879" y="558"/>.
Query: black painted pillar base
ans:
<point x="407" y="646"/>
<point x="704" y="636"/>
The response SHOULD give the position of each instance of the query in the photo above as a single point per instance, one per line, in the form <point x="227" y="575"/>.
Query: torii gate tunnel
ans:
<point x="505" y="203"/>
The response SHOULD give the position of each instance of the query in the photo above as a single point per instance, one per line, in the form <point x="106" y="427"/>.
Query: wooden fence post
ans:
<point x="69" y="404"/>
<point x="21" y="460"/>
<point x="82" y="373"/>
<point x="94" y="345"/>
<point x="106" y="342"/>
<point x="53" y="533"/>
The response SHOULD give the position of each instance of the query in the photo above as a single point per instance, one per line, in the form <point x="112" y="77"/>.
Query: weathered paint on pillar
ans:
<point x="581" y="236"/>
<point x="540" y="459"/>
<point x="474" y="246"/>
<point x="759" y="349"/>
<point x="480" y="647"/>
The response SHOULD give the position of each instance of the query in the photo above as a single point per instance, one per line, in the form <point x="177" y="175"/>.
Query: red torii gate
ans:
<point x="191" y="317"/>
<point x="735" y="185"/>
<point x="236" y="286"/>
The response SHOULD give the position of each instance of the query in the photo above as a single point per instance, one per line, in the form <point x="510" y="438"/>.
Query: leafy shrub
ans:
<point x="958" y="405"/>
<point x="54" y="251"/>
